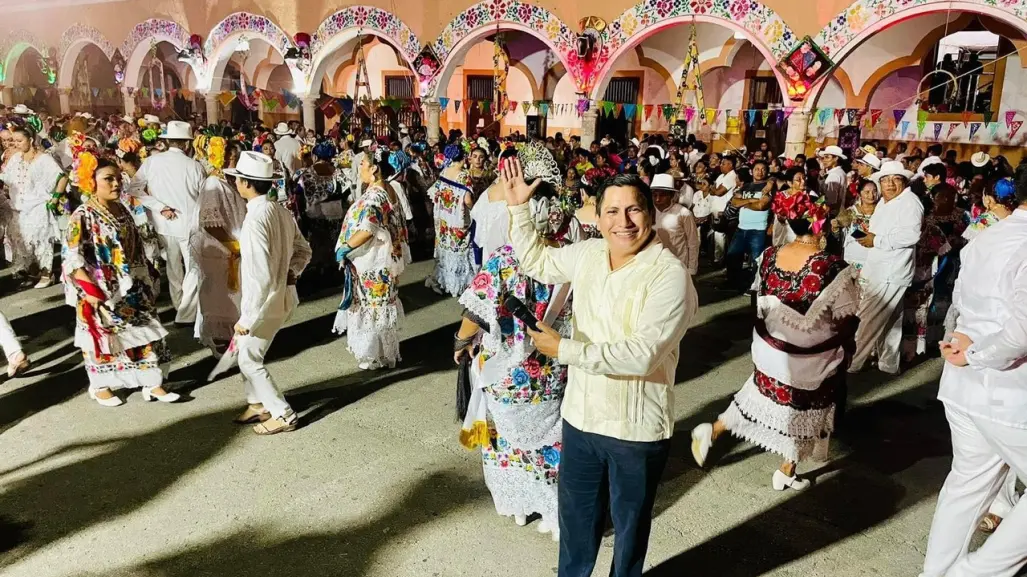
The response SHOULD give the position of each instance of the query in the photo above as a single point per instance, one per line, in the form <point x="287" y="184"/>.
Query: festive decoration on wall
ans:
<point x="691" y="65"/>
<point x="156" y="29"/>
<point x="804" y="66"/>
<point x="118" y="62"/>
<point x="380" y="21"/>
<point x="501" y="68"/>
<point x="427" y="65"/>
<point x="300" y="56"/>
<point x="253" y="25"/>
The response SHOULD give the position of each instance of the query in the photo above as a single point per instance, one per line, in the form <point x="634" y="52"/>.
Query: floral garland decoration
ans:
<point x="86" y="171"/>
<point x="216" y="147"/>
<point x="802" y="206"/>
<point x="149" y="136"/>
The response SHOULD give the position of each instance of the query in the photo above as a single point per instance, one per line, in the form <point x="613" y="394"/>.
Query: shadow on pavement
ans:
<point x="866" y="487"/>
<point x="347" y="552"/>
<point x="125" y="475"/>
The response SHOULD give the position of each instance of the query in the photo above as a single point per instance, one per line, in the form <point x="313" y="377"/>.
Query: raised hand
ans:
<point x="517" y="191"/>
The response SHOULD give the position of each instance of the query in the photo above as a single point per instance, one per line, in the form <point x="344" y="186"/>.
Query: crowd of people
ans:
<point x="574" y="269"/>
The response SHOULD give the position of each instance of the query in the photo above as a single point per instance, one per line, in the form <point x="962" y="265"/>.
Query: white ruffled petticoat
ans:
<point x="453" y="272"/>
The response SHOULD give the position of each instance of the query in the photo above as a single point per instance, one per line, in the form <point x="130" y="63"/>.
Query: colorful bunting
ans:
<point x="525" y="106"/>
<point x="993" y="128"/>
<point x="899" y="115"/>
<point x="544" y="107"/>
<point x="1014" y="127"/>
<point x="875" y="116"/>
<point x="710" y="115"/>
<point x="668" y="110"/>
<point x="937" y="131"/>
<point x="443" y="103"/>
<point x="920" y="125"/>
<point x="226" y="98"/>
<point x="788" y="110"/>
<point x="905" y="129"/>
<point x="629" y="110"/>
<point x="839" y="115"/>
<point x="648" y="109"/>
<point x="689" y="114"/>
<point x="952" y="128"/>
<point x="966" y="118"/>
<point x="987" y="116"/>
<point x="750" y="116"/>
<point x="1010" y="115"/>
<point x="974" y="127"/>
<point x="765" y="114"/>
<point x="823" y="115"/>
<point x="618" y="108"/>
<point x="854" y="115"/>
<point x="456" y="106"/>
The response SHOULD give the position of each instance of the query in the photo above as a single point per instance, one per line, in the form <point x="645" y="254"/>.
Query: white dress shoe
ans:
<point x="782" y="482"/>
<point x="167" y="397"/>
<point x="114" y="401"/>
<point x="702" y="440"/>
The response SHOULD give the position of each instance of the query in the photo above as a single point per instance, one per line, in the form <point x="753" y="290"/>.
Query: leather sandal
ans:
<point x="989" y="523"/>
<point x="252" y="415"/>
<point x="17" y="366"/>
<point x="284" y="424"/>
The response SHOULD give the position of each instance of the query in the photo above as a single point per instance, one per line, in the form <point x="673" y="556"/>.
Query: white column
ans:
<point x="213" y="107"/>
<point x="589" y="125"/>
<point x="65" y="99"/>
<point x="795" y="140"/>
<point x="434" y="114"/>
<point x="130" y="102"/>
<point x="309" y="111"/>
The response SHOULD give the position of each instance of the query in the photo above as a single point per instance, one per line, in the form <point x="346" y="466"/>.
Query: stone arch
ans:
<point x="488" y="17"/>
<point x="73" y="40"/>
<point x="14" y="46"/>
<point x="137" y="44"/>
<point x="757" y="22"/>
<point x="865" y="18"/>
<point x="345" y="25"/>
<point x="233" y="27"/>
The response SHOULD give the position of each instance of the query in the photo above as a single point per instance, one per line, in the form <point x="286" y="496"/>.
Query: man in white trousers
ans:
<point x="984" y="389"/>
<point x="273" y="254"/>
<point x="894" y="232"/>
<point x="174" y="179"/>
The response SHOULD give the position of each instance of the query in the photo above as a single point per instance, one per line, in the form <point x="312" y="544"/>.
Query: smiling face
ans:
<point x="868" y="194"/>
<point x="21" y="142"/>
<point x="624" y="220"/>
<point x="892" y="186"/>
<point x="108" y="183"/>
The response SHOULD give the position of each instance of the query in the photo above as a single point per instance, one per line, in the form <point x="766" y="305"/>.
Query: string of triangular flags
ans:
<point x="333" y="106"/>
<point x="872" y="118"/>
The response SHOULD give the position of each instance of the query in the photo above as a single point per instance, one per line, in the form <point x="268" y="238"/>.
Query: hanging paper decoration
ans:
<point x="501" y="68"/>
<point x="96" y="92"/>
<point x="618" y="108"/>
<point x="1014" y="127"/>
<point x="853" y="115"/>
<point x="804" y="66"/>
<point x="823" y="115"/>
<point x="544" y="108"/>
<point x="483" y="105"/>
<point x="839" y="115"/>
<point x="974" y="127"/>
<point x="689" y="114"/>
<point x="691" y="65"/>
<point x="226" y="98"/>
<point x="788" y="110"/>
<point x="456" y="106"/>
<point x="952" y="128"/>
<point x="905" y="129"/>
<point x="648" y="109"/>
<point x="966" y="117"/>
<point x="443" y="103"/>
<point x="629" y="110"/>
<point x="711" y="116"/>
<point x="875" y="116"/>
<point x="1010" y="115"/>
<point x="937" y="131"/>
<point x="987" y="116"/>
<point x="993" y="128"/>
<point x="765" y="114"/>
<point x="513" y="106"/>
<point x="427" y="65"/>
<point x="898" y="114"/>
<point x="750" y="116"/>
<point x="668" y="112"/>
<point x="920" y="125"/>
<point x="921" y="116"/>
<point x="583" y="104"/>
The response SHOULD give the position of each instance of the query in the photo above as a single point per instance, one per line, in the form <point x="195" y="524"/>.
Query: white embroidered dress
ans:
<point x="453" y="258"/>
<point x="220" y="206"/>
<point x="33" y="228"/>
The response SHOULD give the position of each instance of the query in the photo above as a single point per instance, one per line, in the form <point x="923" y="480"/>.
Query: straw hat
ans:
<point x="833" y="151"/>
<point x="891" y="168"/>
<point x="282" y="129"/>
<point x="980" y="159"/>
<point x="871" y="160"/>
<point x="663" y="182"/>
<point x="178" y="130"/>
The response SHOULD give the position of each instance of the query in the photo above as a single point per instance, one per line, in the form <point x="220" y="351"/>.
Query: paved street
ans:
<point x="375" y="483"/>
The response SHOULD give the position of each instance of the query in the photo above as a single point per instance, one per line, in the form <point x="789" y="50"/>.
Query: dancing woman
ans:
<point x="514" y="413"/>
<point x="113" y="288"/>
<point x="806" y="309"/>
<point x="216" y="250"/>
<point x="372" y="241"/>
<point x="32" y="177"/>
<point x="453" y="197"/>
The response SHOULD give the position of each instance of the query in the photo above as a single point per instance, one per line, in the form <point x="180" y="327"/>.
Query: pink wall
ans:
<point x="896" y="90"/>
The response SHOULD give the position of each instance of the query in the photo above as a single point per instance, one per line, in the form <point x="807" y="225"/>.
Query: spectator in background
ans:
<point x="753" y="202"/>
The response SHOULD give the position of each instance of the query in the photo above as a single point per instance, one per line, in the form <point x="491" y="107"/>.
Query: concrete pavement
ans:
<point x="375" y="483"/>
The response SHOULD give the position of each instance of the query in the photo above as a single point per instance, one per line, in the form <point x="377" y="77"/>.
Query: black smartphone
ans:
<point x="519" y="310"/>
<point x="858" y="234"/>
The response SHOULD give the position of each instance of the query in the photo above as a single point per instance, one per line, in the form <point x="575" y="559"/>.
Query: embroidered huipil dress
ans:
<point x="454" y="260"/>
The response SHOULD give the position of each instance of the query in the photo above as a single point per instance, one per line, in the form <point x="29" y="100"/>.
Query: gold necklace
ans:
<point x="813" y="242"/>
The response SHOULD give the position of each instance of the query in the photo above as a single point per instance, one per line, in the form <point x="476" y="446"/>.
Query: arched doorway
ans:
<point x="34" y="79"/>
<point x="92" y="84"/>
<point x="160" y="82"/>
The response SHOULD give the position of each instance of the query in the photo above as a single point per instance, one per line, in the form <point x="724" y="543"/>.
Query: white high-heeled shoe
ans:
<point x="114" y="401"/>
<point x="167" y="397"/>
<point x="782" y="482"/>
<point x="702" y="440"/>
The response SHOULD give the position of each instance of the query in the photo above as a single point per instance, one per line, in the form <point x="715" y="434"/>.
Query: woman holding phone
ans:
<point x="854" y="223"/>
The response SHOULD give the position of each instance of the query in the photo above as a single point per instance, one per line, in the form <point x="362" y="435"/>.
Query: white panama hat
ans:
<point x="366" y="143"/>
<point x="891" y="168"/>
<point x="151" y="119"/>
<point x="871" y="160"/>
<point x="663" y="182"/>
<point x="22" y="109"/>
<point x="980" y="159"/>
<point x="833" y="151"/>
<point x="253" y="166"/>
<point x="283" y="129"/>
<point x="178" y="130"/>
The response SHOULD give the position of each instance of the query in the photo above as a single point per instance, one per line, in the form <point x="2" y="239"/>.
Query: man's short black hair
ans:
<point x="632" y="181"/>
<point x="936" y="170"/>
<point x="934" y="150"/>
<point x="261" y="186"/>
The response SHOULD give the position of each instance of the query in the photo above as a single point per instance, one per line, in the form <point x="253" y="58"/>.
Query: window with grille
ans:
<point x="399" y="87"/>
<point x="480" y="88"/>
<point x="622" y="90"/>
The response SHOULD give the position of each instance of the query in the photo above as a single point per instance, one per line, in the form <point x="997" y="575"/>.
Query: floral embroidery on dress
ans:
<point x="798" y="290"/>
